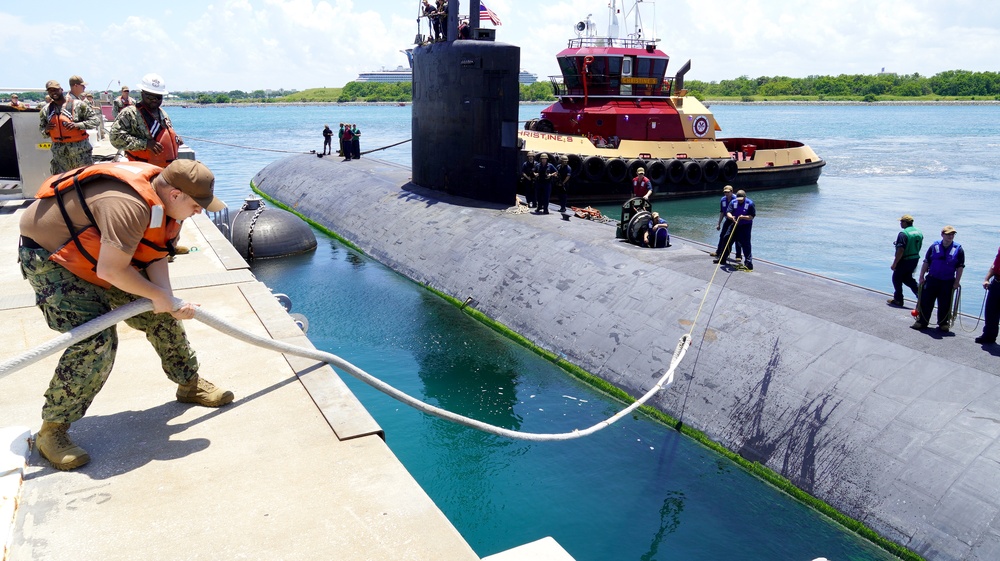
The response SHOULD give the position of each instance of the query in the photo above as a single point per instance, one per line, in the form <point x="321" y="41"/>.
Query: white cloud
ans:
<point x="270" y="44"/>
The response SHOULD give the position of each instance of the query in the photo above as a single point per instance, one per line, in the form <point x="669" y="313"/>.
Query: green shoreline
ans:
<point x="707" y="102"/>
<point x="754" y="468"/>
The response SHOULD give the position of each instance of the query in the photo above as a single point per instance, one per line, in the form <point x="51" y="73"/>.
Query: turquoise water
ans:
<point x="636" y="491"/>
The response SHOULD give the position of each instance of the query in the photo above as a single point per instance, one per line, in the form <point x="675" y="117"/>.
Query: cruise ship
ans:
<point x="400" y="74"/>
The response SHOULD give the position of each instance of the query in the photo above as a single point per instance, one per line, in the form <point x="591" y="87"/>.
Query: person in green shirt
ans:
<point x="907" y="243"/>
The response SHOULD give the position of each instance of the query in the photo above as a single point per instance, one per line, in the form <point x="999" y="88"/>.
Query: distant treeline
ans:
<point x="376" y="91"/>
<point x="958" y="83"/>
<point x="869" y="87"/>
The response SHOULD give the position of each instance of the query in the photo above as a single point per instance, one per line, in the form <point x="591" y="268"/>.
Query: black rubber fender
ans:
<point x="616" y="170"/>
<point x="710" y="170"/>
<point x="675" y="171"/>
<point x="544" y="125"/>
<point x="593" y="167"/>
<point x="633" y="168"/>
<point x="729" y="169"/>
<point x="692" y="172"/>
<point x="575" y="164"/>
<point x="656" y="171"/>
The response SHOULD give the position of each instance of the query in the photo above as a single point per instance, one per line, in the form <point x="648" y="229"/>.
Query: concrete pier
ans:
<point x="294" y="468"/>
<point x="817" y="379"/>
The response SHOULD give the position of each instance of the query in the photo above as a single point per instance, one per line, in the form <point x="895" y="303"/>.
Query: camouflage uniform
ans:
<point x="67" y="302"/>
<point x="118" y="105"/>
<point x="129" y="131"/>
<point x="71" y="155"/>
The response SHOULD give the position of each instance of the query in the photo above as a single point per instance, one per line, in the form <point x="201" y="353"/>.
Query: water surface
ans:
<point x="636" y="491"/>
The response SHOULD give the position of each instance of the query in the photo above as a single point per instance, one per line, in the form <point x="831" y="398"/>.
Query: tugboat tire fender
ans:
<point x="729" y="170"/>
<point x="616" y="170"/>
<point x="529" y="125"/>
<point x="544" y="125"/>
<point x="710" y="170"/>
<point x="593" y="167"/>
<point x="692" y="172"/>
<point x="656" y="171"/>
<point x="633" y="168"/>
<point x="675" y="171"/>
<point x="575" y="164"/>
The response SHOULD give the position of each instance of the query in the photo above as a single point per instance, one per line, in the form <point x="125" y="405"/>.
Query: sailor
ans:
<point x="907" y="243"/>
<point x="657" y="232"/>
<point x="327" y="139"/>
<point x="544" y="174"/>
<point x="991" y="321"/>
<point x="127" y="215"/>
<point x="76" y="88"/>
<point x="121" y="102"/>
<point x="65" y="121"/>
<point x="940" y="277"/>
<point x="144" y="130"/>
<point x="441" y="21"/>
<point x="346" y="142"/>
<point x="563" y="174"/>
<point x="528" y="178"/>
<point x="742" y="212"/>
<point x="724" y="233"/>
<point x="641" y="185"/>
<point x="428" y="12"/>
<point x="15" y="103"/>
<point x="355" y="142"/>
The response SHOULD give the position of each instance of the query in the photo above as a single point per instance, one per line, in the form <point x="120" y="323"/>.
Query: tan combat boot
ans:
<point x="203" y="392"/>
<point x="55" y="446"/>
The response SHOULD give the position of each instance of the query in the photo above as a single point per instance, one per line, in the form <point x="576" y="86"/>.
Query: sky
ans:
<point x="298" y="44"/>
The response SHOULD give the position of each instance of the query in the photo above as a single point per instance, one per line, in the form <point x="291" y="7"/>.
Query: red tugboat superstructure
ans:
<point x="617" y="112"/>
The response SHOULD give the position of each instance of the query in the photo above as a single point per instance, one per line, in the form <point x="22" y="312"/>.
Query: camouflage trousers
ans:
<point x="68" y="301"/>
<point x="70" y="155"/>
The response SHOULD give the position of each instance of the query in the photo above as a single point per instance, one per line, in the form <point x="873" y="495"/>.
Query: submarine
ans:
<point x="814" y="379"/>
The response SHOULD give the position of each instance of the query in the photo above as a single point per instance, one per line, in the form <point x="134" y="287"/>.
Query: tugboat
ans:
<point x="616" y="112"/>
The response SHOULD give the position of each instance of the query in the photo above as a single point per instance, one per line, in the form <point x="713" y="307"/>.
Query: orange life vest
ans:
<point x="60" y="133"/>
<point x="165" y="136"/>
<point x="81" y="252"/>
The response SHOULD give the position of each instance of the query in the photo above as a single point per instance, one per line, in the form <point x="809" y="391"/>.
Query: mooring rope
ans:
<point x="285" y="151"/>
<point x="247" y="147"/>
<point x="144" y="305"/>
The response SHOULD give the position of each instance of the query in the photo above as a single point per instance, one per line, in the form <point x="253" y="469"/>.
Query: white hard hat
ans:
<point x="154" y="84"/>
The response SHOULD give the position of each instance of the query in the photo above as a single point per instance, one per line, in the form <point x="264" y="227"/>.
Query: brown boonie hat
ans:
<point x="948" y="230"/>
<point x="727" y="189"/>
<point x="192" y="178"/>
<point x="906" y="218"/>
<point x="52" y="84"/>
<point x="741" y="194"/>
<point x="76" y="80"/>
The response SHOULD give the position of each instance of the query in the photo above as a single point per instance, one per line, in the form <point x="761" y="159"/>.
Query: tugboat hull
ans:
<point x="679" y="168"/>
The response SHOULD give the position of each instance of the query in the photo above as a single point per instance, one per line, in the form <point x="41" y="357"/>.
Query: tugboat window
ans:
<point x="570" y="72"/>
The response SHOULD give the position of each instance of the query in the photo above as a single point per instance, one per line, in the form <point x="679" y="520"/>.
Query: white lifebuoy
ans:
<point x="700" y="126"/>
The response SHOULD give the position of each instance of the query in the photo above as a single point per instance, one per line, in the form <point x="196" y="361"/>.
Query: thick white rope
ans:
<point x="143" y="305"/>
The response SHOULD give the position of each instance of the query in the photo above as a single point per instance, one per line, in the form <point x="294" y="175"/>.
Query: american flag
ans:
<point x="486" y="14"/>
